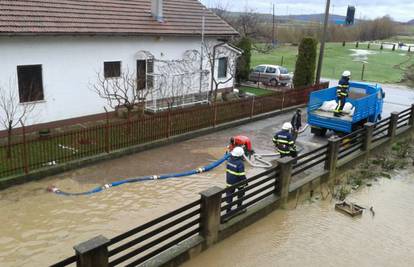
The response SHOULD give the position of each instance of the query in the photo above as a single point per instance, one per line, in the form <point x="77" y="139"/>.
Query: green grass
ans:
<point x="255" y="91"/>
<point x="385" y="66"/>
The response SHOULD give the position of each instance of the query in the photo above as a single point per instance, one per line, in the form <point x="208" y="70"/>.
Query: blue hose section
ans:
<point x="99" y="189"/>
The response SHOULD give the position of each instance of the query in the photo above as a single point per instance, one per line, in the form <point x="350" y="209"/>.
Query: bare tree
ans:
<point x="121" y="91"/>
<point x="12" y="112"/>
<point x="214" y="53"/>
<point x="176" y="79"/>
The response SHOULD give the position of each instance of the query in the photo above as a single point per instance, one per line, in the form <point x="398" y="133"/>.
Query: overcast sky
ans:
<point x="401" y="10"/>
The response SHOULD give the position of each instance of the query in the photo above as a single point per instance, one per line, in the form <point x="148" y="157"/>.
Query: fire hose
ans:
<point x="99" y="189"/>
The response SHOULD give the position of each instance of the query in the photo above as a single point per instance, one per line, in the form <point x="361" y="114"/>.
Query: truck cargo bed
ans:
<point x="366" y="99"/>
<point x="330" y="114"/>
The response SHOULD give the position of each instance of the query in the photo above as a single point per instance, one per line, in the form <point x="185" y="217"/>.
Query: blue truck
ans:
<point x="366" y="99"/>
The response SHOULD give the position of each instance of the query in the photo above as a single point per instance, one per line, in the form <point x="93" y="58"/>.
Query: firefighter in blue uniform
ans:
<point x="285" y="142"/>
<point x="235" y="174"/>
<point x="342" y="92"/>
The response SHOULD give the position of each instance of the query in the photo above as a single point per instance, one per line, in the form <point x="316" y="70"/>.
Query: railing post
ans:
<point x="411" y="120"/>
<point x="93" y="252"/>
<point x="393" y="125"/>
<point x="285" y="166"/>
<point x="210" y="214"/>
<point x="369" y="130"/>
<point x="332" y="156"/>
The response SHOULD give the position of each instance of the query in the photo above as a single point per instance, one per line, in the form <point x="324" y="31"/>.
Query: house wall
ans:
<point x="70" y="66"/>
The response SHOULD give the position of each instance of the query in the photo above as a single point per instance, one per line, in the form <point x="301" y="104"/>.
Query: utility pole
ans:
<point x="323" y="40"/>
<point x="273" y="29"/>
<point x="203" y="24"/>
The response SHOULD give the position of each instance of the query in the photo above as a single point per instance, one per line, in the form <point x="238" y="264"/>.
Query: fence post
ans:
<point x="393" y="125"/>
<point x="332" y="156"/>
<point x="215" y="115"/>
<point x="169" y="124"/>
<point x="252" y="108"/>
<point x="25" y="154"/>
<point x="363" y="72"/>
<point x="369" y="130"/>
<point x="93" y="252"/>
<point x="285" y="166"/>
<point x="107" y="142"/>
<point x="210" y="214"/>
<point x="411" y="120"/>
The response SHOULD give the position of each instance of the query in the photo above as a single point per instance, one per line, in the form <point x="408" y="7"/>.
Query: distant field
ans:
<point x="384" y="66"/>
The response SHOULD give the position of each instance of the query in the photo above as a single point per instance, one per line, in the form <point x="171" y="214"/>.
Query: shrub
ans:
<point x="306" y="63"/>
<point x="243" y="63"/>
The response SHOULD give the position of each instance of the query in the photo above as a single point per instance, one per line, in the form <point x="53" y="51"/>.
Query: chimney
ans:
<point x="156" y="10"/>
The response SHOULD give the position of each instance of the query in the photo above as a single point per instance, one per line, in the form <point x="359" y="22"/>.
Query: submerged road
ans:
<point x="39" y="228"/>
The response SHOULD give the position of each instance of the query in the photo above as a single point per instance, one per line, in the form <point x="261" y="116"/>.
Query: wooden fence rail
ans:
<point x="33" y="153"/>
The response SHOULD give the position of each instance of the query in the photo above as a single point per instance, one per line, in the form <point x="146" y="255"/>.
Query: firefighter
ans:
<point x="284" y="141"/>
<point x="243" y="142"/>
<point x="235" y="174"/>
<point x="342" y="92"/>
<point x="296" y="123"/>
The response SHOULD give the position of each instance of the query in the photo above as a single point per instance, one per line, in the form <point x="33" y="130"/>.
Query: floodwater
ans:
<point x="38" y="228"/>
<point x="314" y="234"/>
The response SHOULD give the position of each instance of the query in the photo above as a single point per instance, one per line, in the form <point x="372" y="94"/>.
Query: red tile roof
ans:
<point x="106" y="17"/>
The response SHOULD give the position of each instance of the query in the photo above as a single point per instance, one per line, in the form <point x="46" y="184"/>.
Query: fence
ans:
<point x="208" y="217"/>
<point x="31" y="154"/>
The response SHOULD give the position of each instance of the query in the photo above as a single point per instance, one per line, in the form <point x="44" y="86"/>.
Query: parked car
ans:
<point x="270" y="75"/>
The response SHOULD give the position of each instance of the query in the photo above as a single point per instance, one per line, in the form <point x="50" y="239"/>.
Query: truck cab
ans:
<point x="366" y="99"/>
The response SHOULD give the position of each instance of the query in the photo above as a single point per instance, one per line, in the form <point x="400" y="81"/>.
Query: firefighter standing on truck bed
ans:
<point x="342" y="92"/>
<point x="235" y="174"/>
<point x="284" y="141"/>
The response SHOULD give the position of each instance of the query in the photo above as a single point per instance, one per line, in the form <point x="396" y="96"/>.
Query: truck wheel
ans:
<point x="318" y="131"/>
<point x="274" y="82"/>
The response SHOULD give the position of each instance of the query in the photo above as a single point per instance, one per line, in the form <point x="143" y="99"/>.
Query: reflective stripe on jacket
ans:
<point x="284" y="142"/>
<point x="235" y="171"/>
<point x="343" y="88"/>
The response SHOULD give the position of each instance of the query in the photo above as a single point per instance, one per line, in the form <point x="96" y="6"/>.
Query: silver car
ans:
<point x="270" y="75"/>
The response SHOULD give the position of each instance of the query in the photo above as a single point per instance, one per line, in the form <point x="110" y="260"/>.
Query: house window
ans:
<point x="145" y="81"/>
<point x="112" y="69"/>
<point x="30" y="83"/>
<point x="222" y="67"/>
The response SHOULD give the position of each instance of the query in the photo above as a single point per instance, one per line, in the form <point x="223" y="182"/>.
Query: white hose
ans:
<point x="304" y="128"/>
<point x="262" y="163"/>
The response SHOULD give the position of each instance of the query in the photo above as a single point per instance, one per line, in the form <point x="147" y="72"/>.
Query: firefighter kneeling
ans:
<point x="243" y="142"/>
<point x="235" y="174"/>
<point x="284" y="141"/>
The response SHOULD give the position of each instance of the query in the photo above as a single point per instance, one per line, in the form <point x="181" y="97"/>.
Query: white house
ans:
<point x="51" y="52"/>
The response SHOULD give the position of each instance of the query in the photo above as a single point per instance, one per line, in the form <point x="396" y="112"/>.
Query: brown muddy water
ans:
<point x="314" y="234"/>
<point x="38" y="228"/>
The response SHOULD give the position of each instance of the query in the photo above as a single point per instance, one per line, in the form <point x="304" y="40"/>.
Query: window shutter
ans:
<point x="150" y="70"/>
